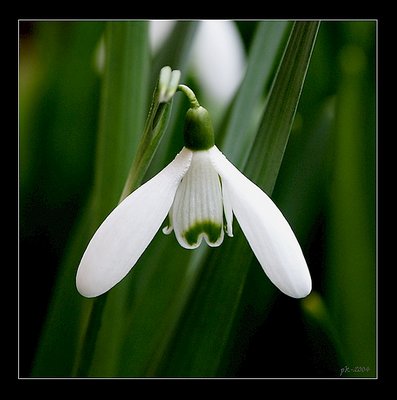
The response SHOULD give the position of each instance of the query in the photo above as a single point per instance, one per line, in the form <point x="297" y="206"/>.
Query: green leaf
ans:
<point x="124" y="96"/>
<point x="301" y="185"/>
<point x="283" y="100"/>
<point x="351" y="237"/>
<point x="62" y="128"/>
<point x="122" y="112"/>
<point x="238" y="132"/>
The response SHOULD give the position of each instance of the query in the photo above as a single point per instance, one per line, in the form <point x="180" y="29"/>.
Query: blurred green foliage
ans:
<point x="157" y="320"/>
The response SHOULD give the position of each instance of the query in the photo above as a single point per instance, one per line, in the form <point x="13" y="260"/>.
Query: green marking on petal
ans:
<point x="211" y="229"/>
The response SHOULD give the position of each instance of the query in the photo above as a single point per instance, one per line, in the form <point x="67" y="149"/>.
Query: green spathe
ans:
<point x="209" y="228"/>
<point x="198" y="131"/>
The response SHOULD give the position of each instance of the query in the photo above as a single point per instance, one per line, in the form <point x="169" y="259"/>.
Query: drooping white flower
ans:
<point x="200" y="190"/>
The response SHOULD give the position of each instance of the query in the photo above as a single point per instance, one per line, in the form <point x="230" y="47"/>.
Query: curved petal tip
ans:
<point x="301" y="287"/>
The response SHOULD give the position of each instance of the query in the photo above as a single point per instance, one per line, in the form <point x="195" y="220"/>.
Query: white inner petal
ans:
<point x="197" y="210"/>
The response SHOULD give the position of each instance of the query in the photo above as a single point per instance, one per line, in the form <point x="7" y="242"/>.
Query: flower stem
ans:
<point x="190" y="95"/>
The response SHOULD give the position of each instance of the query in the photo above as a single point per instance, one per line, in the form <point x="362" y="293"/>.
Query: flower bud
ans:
<point x="168" y="83"/>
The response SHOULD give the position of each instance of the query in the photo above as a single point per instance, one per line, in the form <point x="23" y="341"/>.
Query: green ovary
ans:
<point x="211" y="229"/>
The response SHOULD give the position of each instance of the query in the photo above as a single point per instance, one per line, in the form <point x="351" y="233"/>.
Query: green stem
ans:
<point x="155" y="127"/>
<point x="190" y="95"/>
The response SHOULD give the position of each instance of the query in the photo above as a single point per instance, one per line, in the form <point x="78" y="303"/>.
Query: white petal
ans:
<point x="218" y="57"/>
<point x="197" y="211"/>
<point x="267" y="231"/>
<point x="127" y="231"/>
<point x="159" y="30"/>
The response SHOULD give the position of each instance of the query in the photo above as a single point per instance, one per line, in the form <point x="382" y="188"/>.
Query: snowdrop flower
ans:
<point x="200" y="191"/>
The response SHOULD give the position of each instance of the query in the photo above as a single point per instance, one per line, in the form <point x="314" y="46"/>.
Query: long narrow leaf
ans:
<point x="121" y="121"/>
<point x="124" y="93"/>
<point x="280" y="110"/>
<point x="238" y="133"/>
<point x="196" y="350"/>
